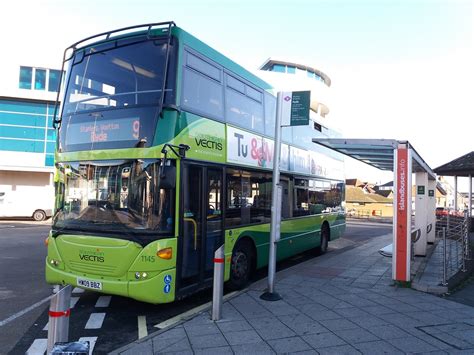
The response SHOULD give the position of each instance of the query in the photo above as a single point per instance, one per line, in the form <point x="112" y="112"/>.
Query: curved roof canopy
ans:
<point x="270" y="61"/>
<point x="462" y="166"/>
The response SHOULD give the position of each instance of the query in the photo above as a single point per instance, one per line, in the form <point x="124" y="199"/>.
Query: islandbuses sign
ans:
<point x="402" y="256"/>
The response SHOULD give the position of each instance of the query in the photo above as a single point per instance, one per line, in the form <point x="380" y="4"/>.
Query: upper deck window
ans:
<point x="113" y="94"/>
<point x="202" y="87"/>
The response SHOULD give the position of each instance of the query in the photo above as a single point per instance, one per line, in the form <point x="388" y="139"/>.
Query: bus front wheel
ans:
<point x="241" y="265"/>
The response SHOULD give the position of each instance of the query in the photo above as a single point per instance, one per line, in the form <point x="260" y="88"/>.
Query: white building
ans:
<point x="27" y="140"/>
<point x="284" y="75"/>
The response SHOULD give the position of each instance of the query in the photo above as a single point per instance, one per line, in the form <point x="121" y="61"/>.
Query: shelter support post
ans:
<point x="455" y="193"/>
<point x="470" y="196"/>
<point x="401" y="258"/>
<point x="421" y="211"/>
<point x="431" y="228"/>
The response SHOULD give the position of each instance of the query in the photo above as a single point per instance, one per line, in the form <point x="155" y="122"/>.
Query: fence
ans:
<point x="364" y="213"/>
<point x="453" y="247"/>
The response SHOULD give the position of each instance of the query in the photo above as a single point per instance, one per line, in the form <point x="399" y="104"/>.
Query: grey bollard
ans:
<point x="59" y="311"/>
<point x="218" y="284"/>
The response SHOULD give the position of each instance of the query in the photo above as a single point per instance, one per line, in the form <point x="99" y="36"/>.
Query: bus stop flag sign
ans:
<point x="295" y="108"/>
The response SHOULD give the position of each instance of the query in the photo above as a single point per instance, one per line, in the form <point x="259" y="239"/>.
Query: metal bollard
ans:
<point x="59" y="311"/>
<point x="218" y="285"/>
<point x="444" y="257"/>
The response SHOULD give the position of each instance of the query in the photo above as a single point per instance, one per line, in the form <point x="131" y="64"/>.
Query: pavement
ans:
<point x="343" y="302"/>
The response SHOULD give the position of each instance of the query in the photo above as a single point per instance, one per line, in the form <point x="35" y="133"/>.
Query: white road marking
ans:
<point x="142" y="330"/>
<point x="46" y="326"/>
<point x="26" y="310"/>
<point x="73" y="302"/>
<point x="95" y="321"/>
<point x="189" y="313"/>
<point x="39" y="346"/>
<point x="103" y="301"/>
<point x="92" y="341"/>
<point x="78" y="290"/>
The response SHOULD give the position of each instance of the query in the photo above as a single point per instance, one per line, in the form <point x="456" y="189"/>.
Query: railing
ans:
<point x="365" y="213"/>
<point x="453" y="246"/>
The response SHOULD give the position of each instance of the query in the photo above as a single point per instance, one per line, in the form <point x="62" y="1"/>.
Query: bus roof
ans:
<point x="196" y="44"/>
<point x="183" y="37"/>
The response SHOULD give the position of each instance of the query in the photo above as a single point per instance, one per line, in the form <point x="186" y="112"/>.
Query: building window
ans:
<point x="40" y="79"/>
<point x="279" y="68"/>
<point x="53" y="80"/>
<point x="290" y="69"/>
<point x="26" y="74"/>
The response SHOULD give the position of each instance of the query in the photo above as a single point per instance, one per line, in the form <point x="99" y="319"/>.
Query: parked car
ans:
<point x="37" y="204"/>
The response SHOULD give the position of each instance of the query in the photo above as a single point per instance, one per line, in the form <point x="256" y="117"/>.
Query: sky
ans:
<point x="399" y="69"/>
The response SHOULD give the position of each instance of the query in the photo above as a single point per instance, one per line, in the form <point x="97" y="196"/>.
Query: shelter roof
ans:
<point x="462" y="166"/>
<point x="378" y="153"/>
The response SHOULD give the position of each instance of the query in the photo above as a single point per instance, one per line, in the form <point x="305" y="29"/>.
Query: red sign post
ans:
<point x="402" y="207"/>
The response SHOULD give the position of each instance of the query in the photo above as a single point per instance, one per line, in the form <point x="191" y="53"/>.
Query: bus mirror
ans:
<point x="168" y="178"/>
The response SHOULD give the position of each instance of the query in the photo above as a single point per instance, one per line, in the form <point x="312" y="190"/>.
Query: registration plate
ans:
<point x="89" y="284"/>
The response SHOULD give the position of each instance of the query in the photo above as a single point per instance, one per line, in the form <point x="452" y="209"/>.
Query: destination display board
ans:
<point x="116" y="130"/>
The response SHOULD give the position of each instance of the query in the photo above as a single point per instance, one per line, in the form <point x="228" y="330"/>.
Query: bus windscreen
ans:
<point x="123" y="197"/>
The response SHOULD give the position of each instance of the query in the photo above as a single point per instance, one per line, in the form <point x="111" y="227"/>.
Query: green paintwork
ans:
<point x="192" y="130"/>
<point x="297" y="235"/>
<point x="205" y="137"/>
<point x="121" y="260"/>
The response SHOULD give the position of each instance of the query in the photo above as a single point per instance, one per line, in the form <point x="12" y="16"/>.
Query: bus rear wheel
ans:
<point x="241" y="265"/>
<point x="39" y="215"/>
<point x="323" y="248"/>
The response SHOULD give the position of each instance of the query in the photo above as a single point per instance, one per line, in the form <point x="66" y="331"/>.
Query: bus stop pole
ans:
<point x="218" y="284"/>
<point x="270" y="294"/>
<point x="59" y="311"/>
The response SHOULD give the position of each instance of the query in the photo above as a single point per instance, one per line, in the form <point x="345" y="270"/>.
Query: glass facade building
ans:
<point x="26" y="126"/>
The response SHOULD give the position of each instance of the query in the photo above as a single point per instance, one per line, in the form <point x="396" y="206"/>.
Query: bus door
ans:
<point x="201" y="225"/>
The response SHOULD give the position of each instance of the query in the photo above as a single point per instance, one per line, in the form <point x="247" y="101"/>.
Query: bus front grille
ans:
<point x="106" y="270"/>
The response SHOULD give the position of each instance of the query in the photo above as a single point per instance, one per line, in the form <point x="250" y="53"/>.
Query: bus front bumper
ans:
<point x="157" y="289"/>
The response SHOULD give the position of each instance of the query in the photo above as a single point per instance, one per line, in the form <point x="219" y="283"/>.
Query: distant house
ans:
<point x="362" y="199"/>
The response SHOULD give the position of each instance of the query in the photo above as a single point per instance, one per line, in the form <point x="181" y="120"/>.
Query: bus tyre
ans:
<point x="241" y="265"/>
<point x="323" y="248"/>
<point x="39" y="215"/>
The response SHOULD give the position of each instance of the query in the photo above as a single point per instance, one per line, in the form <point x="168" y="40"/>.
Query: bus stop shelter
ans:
<point x="401" y="158"/>
<point x="462" y="166"/>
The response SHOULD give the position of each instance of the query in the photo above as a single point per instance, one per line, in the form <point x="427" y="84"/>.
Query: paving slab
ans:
<point x="340" y="303"/>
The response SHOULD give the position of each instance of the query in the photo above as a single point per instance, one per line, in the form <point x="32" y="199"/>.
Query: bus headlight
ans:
<point x="54" y="262"/>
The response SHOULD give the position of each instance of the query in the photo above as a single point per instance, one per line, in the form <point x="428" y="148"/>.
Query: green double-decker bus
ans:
<point x="164" y="153"/>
